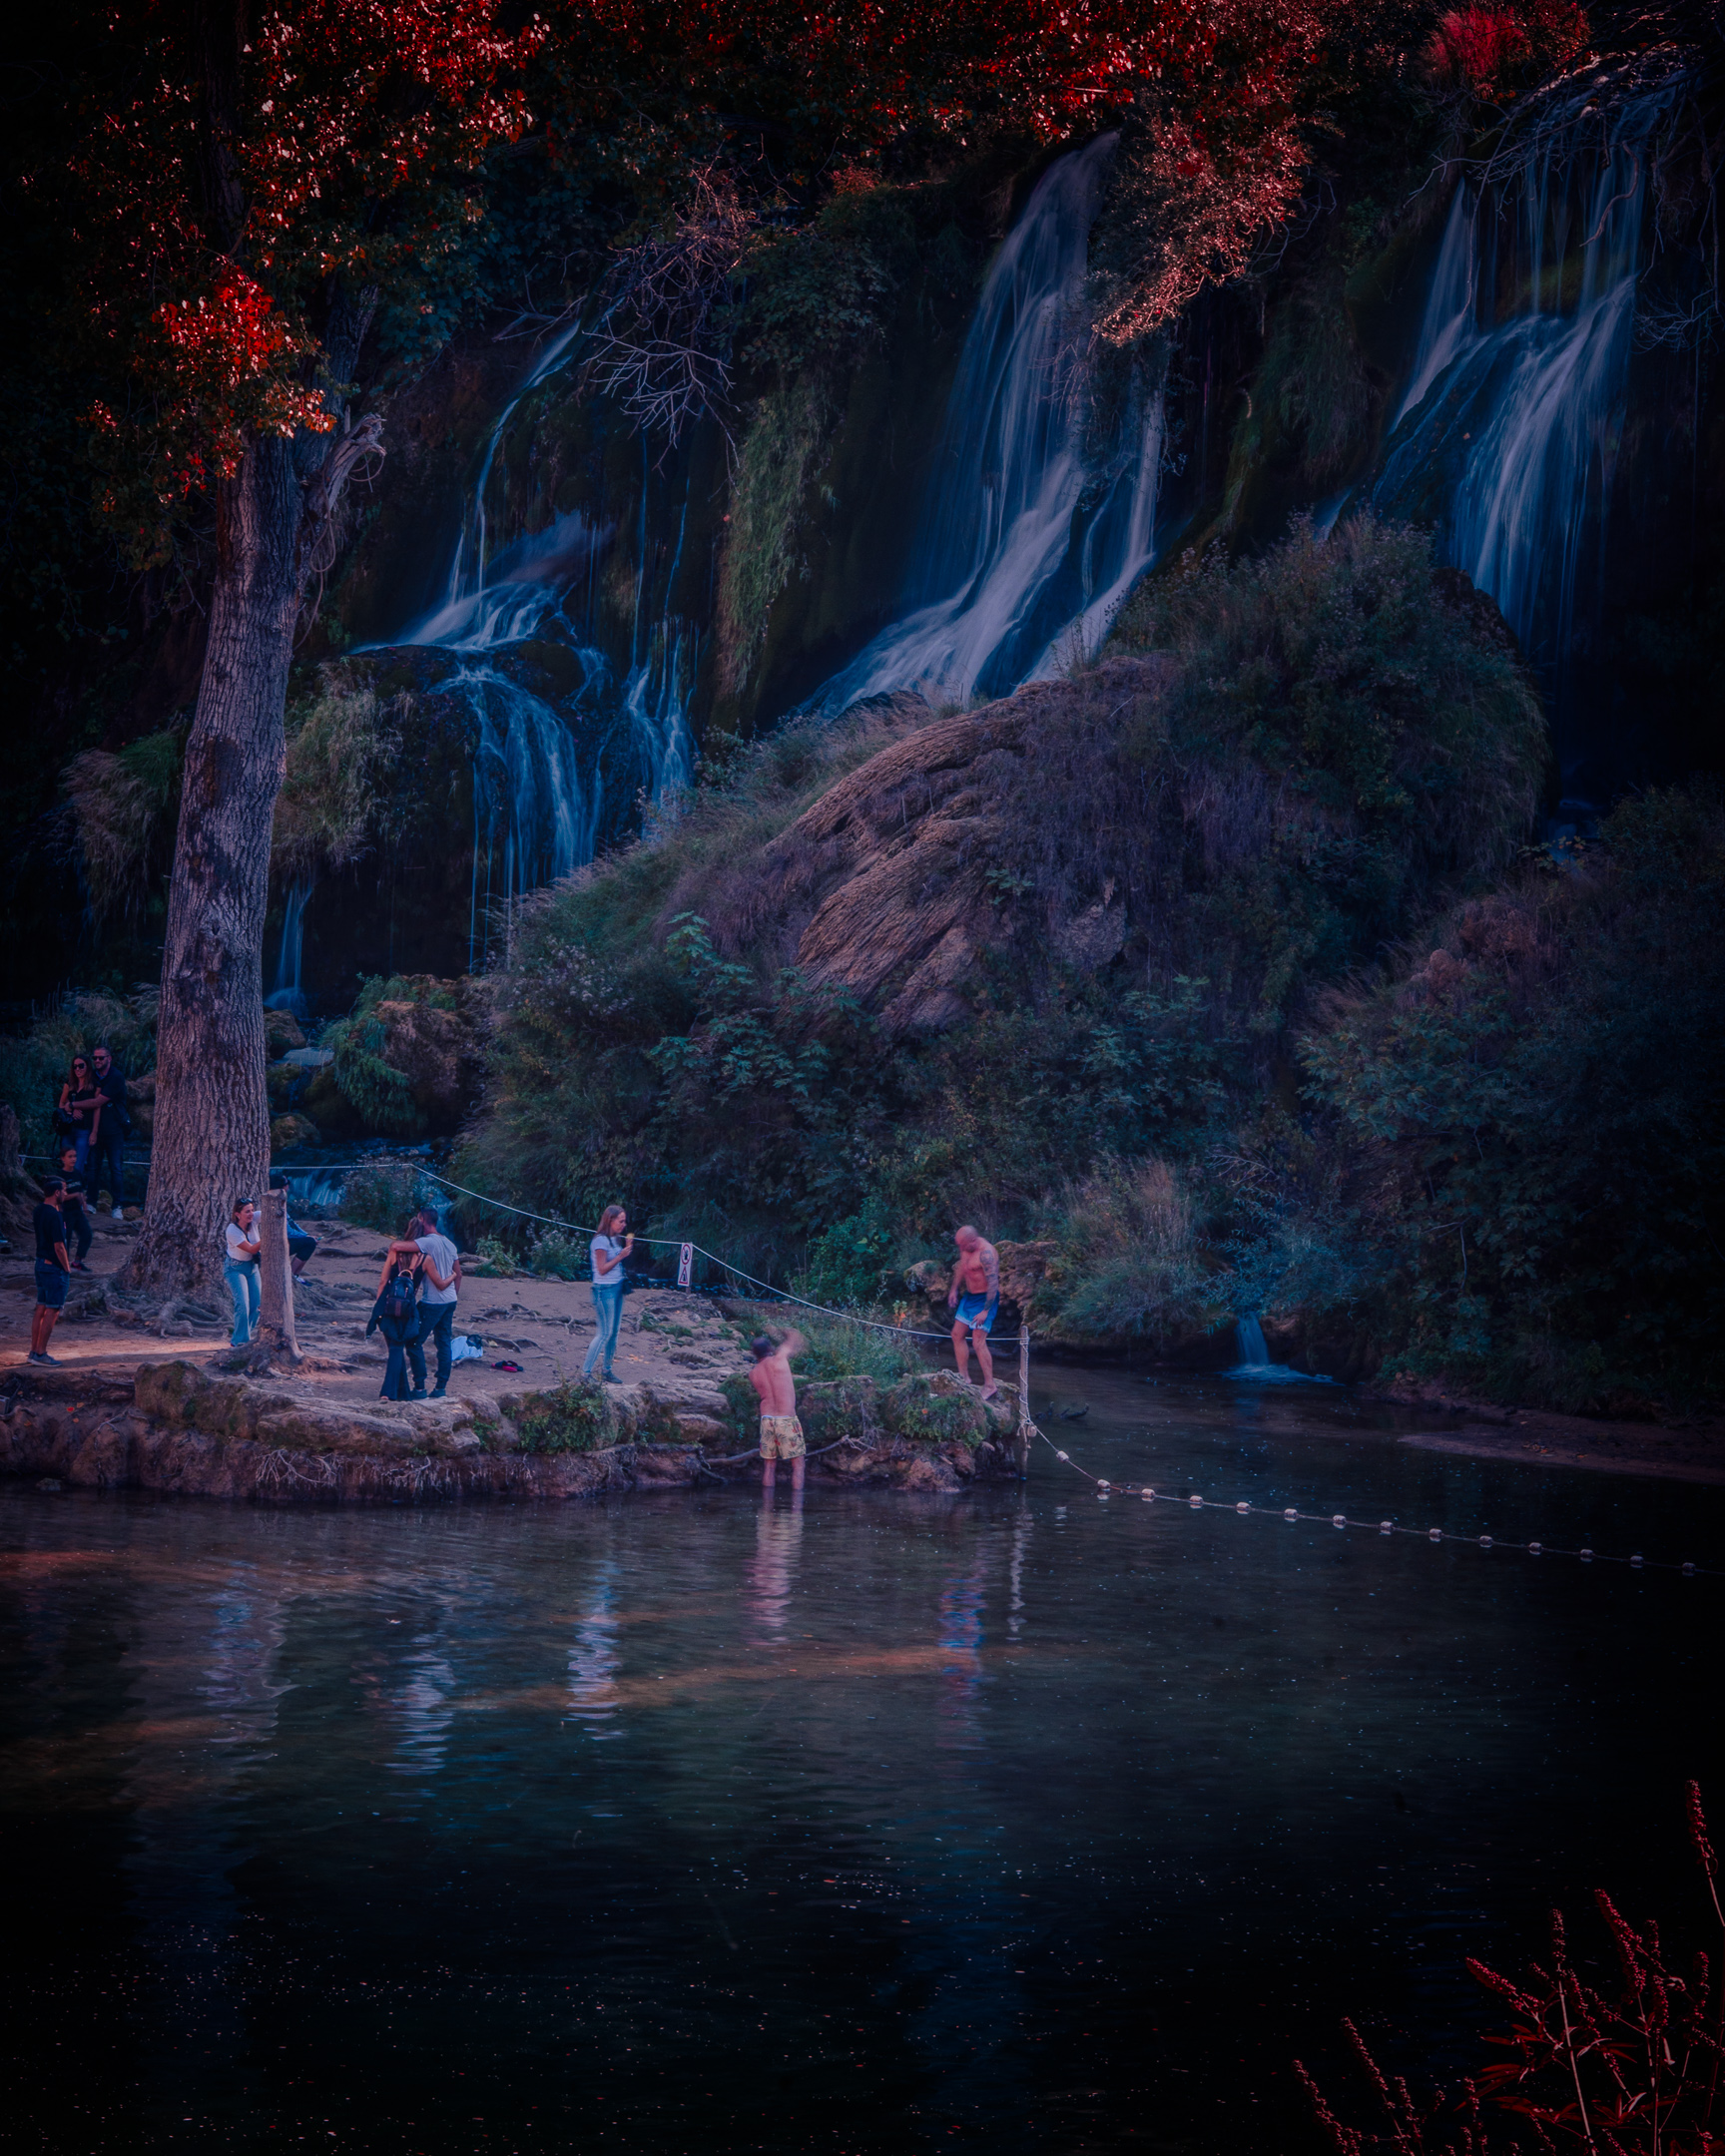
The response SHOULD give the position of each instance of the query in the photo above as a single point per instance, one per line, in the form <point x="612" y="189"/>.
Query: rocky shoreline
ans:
<point x="176" y="1428"/>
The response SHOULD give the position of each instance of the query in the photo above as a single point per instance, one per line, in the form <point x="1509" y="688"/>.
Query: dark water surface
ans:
<point x="683" y="1823"/>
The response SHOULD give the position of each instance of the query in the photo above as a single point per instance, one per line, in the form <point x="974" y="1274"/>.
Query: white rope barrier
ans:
<point x="1193" y="1504"/>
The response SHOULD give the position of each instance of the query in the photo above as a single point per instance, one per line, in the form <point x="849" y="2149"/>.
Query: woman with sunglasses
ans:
<point x="78" y="1115"/>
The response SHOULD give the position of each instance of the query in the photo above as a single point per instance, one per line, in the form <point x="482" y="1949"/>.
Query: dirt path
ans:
<point x="679" y="1345"/>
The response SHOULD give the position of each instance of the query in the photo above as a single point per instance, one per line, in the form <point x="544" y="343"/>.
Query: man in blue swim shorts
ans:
<point x="975" y="1296"/>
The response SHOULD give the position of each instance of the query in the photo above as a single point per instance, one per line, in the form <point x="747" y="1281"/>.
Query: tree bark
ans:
<point x="210" y="1143"/>
<point x="210" y="1132"/>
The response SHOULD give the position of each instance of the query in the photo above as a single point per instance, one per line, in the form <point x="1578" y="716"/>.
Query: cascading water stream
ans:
<point x="286" y="994"/>
<point x="1509" y="430"/>
<point x="552" y="765"/>
<point x="1255" y="1366"/>
<point x="1030" y="533"/>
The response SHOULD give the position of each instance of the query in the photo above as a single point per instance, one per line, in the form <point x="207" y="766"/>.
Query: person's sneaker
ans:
<point x="53" y="1360"/>
<point x="438" y="1392"/>
<point x="420" y="1395"/>
<point x="33" y="1356"/>
<point x="80" y="1268"/>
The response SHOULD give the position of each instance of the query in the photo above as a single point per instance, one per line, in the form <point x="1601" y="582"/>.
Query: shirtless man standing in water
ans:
<point x="780" y="1432"/>
<point x="975" y="1294"/>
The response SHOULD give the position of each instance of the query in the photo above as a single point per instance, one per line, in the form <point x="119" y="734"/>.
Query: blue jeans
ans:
<point x="436" y="1321"/>
<point x="107" y="1163"/>
<point x="248" y="1303"/>
<point x="608" y="1309"/>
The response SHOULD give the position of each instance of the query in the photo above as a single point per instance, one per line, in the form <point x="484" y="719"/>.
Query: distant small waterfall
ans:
<point x="1510" y="429"/>
<point x="1249" y="1344"/>
<point x="287" y="994"/>
<point x="552" y="766"/>
<point x="1254" y="1365"/>
<point x="1032" y="532"/>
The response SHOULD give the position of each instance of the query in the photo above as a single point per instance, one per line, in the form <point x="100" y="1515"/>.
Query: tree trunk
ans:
<point x="210" y="1142"/>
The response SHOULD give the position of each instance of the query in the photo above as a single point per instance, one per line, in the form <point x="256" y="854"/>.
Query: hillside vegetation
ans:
<point x="1223" y="967"/>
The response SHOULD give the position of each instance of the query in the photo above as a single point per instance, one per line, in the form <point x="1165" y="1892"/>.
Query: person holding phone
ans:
<point x="609" y="1248"/>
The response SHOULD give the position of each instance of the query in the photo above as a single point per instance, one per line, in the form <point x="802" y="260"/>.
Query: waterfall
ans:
<point x="1254" y="1365"/>
<point x="1249" y="1344"/>
<point x="561" y="747"/>
<point x="287" y="994"/>
<point x="1508" y="432"/>
<point x="1031" y="533"/>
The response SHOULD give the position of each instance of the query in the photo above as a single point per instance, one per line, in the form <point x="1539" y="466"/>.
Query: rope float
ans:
<point x="1104" y="1488"/>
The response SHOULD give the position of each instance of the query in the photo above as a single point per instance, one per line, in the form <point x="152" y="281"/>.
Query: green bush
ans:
<point x="577" y="1417"/>
<point x="383" y="1194"/>
<point x="559" y="1255"/>
<point x="383" y="1094"/>
<point x="1528" y="1124"/>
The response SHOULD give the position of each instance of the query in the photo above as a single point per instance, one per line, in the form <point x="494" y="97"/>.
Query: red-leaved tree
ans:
<point x="269" y="178"/>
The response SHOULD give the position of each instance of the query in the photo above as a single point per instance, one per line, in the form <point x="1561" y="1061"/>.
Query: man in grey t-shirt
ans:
<point x="439" y="1269"/>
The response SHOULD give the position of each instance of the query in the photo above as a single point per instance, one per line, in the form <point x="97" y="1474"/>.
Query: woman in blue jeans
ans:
<point x="241" y="1269"/>
<point x="610" y="1247"/>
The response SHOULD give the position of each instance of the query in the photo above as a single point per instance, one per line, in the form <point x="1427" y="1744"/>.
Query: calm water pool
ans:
<point x="690" y="1824"/>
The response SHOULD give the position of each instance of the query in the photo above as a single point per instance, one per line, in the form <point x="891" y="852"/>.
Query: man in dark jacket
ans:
<point x="109" y="1148"/>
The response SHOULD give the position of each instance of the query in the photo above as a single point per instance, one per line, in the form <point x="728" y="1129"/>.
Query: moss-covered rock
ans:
<point x="579" y="1416"/>
<point x="937" y="1409"/>
<point x="840" y="1407"/>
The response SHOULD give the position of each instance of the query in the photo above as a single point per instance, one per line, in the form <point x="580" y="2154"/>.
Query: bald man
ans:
<point x="974" y="1297"/>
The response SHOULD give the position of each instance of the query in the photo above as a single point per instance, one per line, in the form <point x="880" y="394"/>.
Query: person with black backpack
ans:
<point x="395" y="1314"/>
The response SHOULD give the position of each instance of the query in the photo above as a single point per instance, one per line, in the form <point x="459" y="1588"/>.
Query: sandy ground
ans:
<point x="544" y="1327"/>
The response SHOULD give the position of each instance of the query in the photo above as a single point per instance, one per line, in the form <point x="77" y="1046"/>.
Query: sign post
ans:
<point x="1022" y="1447"/>
<point x="275" y="1283"/>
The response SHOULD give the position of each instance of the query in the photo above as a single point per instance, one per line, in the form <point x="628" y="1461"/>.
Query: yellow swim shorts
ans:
<point x="781" y="1438"/>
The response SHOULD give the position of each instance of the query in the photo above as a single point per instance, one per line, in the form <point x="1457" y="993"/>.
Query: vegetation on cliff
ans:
<point x="1032" y="965"/>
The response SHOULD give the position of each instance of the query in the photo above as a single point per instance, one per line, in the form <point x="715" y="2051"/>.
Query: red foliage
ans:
<point x="228" y="201"/>
<point x="1491" y="50"/>
<point x="1633" y="2071"/>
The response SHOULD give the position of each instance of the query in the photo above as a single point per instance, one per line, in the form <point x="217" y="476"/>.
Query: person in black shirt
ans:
<point x="52" y="1270"/>
<point x="80" y="1110"/>
<point x="72" y="1207"/>
<point x="108" y="1140"/>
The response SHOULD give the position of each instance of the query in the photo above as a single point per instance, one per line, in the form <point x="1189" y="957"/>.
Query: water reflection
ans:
<point x="977" y="1815"/>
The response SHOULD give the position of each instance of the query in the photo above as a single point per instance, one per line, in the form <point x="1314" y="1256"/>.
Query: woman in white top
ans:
<point x="609" y="1247"/>
<point x="241" y="1268"/>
